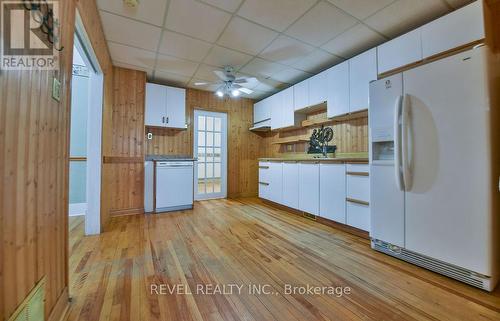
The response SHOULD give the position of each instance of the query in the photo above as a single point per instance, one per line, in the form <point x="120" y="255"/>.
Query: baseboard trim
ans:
<point x="127" y="211"/>
<point x="61" y="308"/>
<point x="321" y="220"/>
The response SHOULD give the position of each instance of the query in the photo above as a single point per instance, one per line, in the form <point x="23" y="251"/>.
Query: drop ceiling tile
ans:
<point x="320" y="24"/>
<point x="206" y="73"/>
<point x="185" y="47"/>
<point x="361" y="8"/>
<point x="175" y="65"/>
<point x="132" y="56"/>
<point x="120" y="64"/>
<point x="353" y="41"/>
<point x="196" y="19"/>
<point x="290" y="75"/>
<point x="317" y="61"/>
<point x="261" y="68"/>
<point x="171" y="79"/>
<point x="257" y="95"/>
<point x="207" y="87"/>
<point x="221" y="57"/>
<point x="228" y="5"/>
<point x="148" y="11"/>
<point x="404" y="15"/>
<point x="286" y="50"/>
<point x="276" y="14"/>
<point x="246" y="36"/>
<point x="270" y="86"/>
<point x="130" y="32"/>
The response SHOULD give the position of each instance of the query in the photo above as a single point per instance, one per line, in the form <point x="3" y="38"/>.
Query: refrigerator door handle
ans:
<point x="407" y="179"/>
<point x="397" y="142"/>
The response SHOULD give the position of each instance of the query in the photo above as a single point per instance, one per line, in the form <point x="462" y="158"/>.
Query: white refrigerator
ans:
<point x="430" y="167"/>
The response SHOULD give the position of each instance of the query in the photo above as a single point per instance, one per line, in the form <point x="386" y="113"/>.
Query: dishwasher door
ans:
<point x="174" y="186"/>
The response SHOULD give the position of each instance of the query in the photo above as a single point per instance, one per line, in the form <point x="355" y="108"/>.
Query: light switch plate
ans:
<point x="56" y="89"/>
<point x="150" y="135"/>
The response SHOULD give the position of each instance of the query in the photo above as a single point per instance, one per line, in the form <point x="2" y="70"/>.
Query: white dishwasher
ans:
<point x="174" y="185"/>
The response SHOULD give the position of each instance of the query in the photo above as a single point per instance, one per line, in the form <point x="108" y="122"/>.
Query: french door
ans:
<point x="210" y="148"/>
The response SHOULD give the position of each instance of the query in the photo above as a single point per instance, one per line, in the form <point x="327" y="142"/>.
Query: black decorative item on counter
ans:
<point x="318" y="143"/>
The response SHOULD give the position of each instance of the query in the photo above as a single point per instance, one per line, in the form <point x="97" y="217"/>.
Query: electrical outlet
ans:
<point x="150" y="136"/>
<point x="56" y="89"/>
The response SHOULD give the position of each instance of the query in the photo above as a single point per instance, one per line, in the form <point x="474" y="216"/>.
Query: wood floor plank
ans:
<point x="246" y="242"/>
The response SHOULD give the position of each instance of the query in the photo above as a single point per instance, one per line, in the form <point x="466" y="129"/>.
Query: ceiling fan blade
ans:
<point x="222" y="75"/>
<point x="244" y="80"/>
<point x="245" y="90"/>
<point x="201" y="83"/>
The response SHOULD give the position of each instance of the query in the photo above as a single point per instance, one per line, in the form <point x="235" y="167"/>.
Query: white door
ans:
<point x="276" y="103"/>
<point x="291" y="184"/>
<point x="176" y="107"/>
<point x="338" y="90"/>
<point x="362" y="70"/>
<point x="301" y="94"/>
<point x="173" y="184"/>
<point x="156" y="104"/>
<point x="332" y="192"/>
<point x="275" y="182"/>
<point x="309" y="188"/>
<point x="449" y="186"/>
<point x="210" y="147"/>
<point x="318" y="88"/>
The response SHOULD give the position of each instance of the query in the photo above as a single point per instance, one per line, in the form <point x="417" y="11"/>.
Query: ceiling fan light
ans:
<point x="235" y="93"/>
<point x="219" y="93"/>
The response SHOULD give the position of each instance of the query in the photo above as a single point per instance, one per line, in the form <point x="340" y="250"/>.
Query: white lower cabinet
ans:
<point x="291" y="184"/>
<point x="309" y="188"/>
<point x="264" y="180"/>
<point x="275" y="182"/>
<point x="358" y="215"/>
<point x="332" y="192"/>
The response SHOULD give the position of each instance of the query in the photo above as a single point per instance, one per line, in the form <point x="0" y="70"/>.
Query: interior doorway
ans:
<point x="85" y="134"/>
<point x="210" y="147"/>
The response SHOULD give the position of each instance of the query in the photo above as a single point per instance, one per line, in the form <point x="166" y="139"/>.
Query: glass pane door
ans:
<point x="210" y="147"/>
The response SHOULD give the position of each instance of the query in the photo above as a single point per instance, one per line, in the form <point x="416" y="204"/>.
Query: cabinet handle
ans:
<point x="353" y="200"/>
<point x="264" y="167"/>
<point x="163" y="120"/>
<point x="358" y="173"/>
<point x="265" y="184"/>
<point x="167" y="119"/>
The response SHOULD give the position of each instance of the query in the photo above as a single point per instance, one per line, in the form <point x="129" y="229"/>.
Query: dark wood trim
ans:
<point x="128" y="211"/>
<point x="78" y="159"/>
<point x="358" y="173"/>
<point x="321" y="220"/>
<point x="122" y="160"/>
<point x="353" y="200"/>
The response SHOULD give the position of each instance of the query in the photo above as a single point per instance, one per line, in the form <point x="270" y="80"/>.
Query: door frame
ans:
<point x="224" y="126"/>
<point x="94" y="128"/>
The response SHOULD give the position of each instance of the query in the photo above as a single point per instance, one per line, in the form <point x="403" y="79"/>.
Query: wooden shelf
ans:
<point x="324" y="121"/>
<point x="291" y="141"/>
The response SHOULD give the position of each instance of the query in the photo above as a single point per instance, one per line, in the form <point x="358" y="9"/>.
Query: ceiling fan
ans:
<point x="230" y="85"/>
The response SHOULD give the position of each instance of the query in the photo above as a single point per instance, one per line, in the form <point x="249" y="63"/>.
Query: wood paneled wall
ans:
<point x="123" y="145"/>
<point x="243" y="145"/>
<point x="34" y="165"/>
<point x="350" y="136"/>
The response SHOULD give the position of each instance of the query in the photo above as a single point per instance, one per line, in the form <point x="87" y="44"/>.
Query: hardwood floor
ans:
<point x="247" y="242"/>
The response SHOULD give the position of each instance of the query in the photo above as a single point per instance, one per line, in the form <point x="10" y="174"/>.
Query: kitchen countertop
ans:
<point x="169" y="158"/>
<point x="344" y="157"/>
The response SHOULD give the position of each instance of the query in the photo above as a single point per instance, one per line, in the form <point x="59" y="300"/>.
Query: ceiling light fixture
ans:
<point x="219" y="93"/>
<point x="235" y="93"/>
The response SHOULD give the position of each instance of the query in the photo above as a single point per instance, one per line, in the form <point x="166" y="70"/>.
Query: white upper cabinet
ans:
<point x="399" y="52"/>
<point x="165" y="106"/>
<point x="261" y="112"/>
<point x="176" y="107"/>
<point x="458" y="28"/>
<point x="288" y="118"/>
<point x="362" y="70"/>
<point x="156" y="102"/>
<point x="318" y="89"/>
<point x="338" y="90"/>
<point x="301" y="94"/>
<point x="276" y="105"/>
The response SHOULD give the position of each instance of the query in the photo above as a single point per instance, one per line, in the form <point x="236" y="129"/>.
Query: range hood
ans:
<point x="262" y="126"/>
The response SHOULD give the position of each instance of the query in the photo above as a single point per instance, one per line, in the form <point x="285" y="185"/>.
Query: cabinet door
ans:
<point x="275" y="182"/>
<point x="264" y="185"/>
<point x="156" y="102"/>
<point x="338" y="90"/>
<point x="176" y="107"/>
<point x="332" y="187"/>
<point x="458" y="28"/>
<point x="301" y="94"/>
<point x="288" y="111"/>
<point x="258" y="112"/>
<point x="291" y="185"/>
<point x="318" y="88"/>
<point x="400" y="51"/>
<point x="276" y="105"/>
<point x="362" y="70"/>
<point x="309" y="188"/>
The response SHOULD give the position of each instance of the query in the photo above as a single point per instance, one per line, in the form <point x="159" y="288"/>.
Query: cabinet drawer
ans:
<point x="363" y="168"/>
<point x="358" y="215"/>
<point x="264" y="172"/>
<point x="264" y="190"/>
<point x="358" y="187"/>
